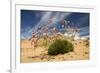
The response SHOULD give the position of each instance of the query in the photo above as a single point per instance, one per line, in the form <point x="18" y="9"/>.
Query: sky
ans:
<point x="32" y="20"/>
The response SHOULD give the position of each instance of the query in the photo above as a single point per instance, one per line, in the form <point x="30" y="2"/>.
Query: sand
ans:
<point x="29" y="55"/>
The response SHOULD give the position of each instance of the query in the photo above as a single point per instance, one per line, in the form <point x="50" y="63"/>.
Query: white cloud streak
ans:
<point x="45" y="17"/>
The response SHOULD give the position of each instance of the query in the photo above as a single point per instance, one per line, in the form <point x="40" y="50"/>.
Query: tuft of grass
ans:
<point x="86" y="52"/>
<point x="60" y="47"/>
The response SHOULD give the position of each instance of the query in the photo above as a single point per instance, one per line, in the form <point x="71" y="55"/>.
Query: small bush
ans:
<point x="86" y="52"/>
<point x="60" y="47"/>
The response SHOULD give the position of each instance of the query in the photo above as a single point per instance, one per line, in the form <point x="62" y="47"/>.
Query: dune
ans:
<point x="81" y="52"/>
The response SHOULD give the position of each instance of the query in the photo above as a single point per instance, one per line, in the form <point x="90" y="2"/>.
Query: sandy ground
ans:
<point x="28" y="55"/>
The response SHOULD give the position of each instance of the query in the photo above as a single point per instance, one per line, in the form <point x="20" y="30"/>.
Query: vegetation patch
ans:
<point x="60" y="47"/>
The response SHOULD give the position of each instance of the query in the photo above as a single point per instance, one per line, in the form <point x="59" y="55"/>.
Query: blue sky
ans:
<point x="31" y="20"/>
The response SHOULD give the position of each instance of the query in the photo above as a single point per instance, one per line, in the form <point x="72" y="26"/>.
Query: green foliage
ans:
<point x="60" y="47"/>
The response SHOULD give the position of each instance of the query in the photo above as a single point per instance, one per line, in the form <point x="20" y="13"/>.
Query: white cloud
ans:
<point x="45" y="17"/>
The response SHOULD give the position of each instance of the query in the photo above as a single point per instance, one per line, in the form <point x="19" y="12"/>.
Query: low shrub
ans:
<point x="60" y="47"/>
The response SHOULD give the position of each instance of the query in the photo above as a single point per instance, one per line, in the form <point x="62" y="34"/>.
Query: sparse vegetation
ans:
<point x="86" y="52"/>
<point x="60" y="47"/>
